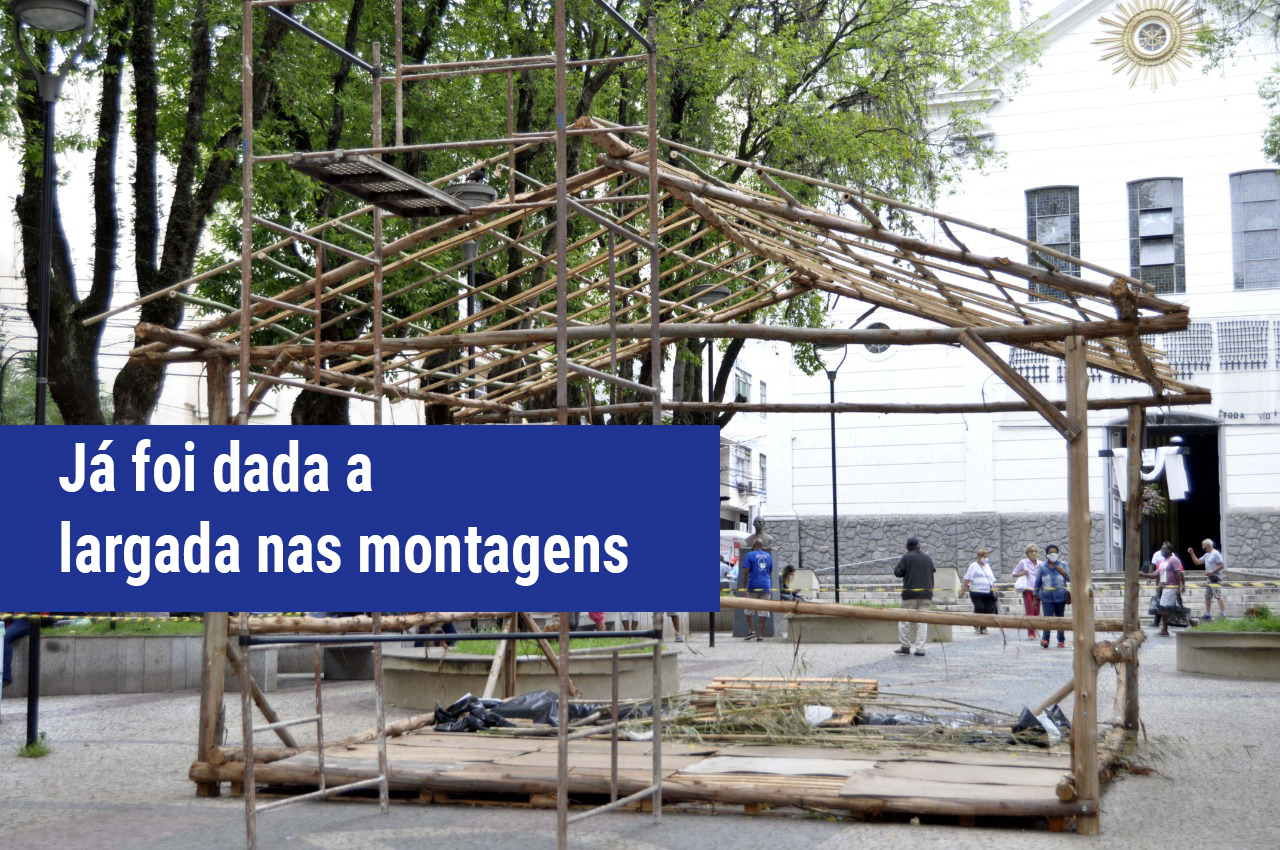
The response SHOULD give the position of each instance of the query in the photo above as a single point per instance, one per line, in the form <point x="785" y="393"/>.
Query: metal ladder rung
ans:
<point x="280" y="724"/>
<point x="323" y="792"/>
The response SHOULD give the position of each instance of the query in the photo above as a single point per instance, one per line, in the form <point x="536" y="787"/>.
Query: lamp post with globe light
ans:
<point x="833" y="357"/>
<point x="46" y="16"/>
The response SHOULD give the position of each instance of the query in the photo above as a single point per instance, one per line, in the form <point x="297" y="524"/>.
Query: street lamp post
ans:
<point x="832" y="359"/>
<point x="711" y="293"/>
<point x="51" y="16"/>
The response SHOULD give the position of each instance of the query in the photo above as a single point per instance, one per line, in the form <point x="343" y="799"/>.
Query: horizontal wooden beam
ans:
<point x="912" y="615"/>
<point x="1017" y="335"/>
<point x="1194" y="397"/>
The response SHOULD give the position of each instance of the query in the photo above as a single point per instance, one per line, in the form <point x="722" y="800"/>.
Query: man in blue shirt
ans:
<point x="759" y="564"/>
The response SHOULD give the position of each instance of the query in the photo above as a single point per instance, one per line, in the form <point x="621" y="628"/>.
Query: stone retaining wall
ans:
<point x="1255" y="539"/>
<point x="951" y="539"/>
<point x="104" y="664"/>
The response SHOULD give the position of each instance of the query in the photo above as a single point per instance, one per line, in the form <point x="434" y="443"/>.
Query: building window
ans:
<point x="1053" y="220"/>
<point x="1242" y="344"/>
<point x="1156" y="254"/>
<point x="741" y="468"/>
<point x="742" y="384"/>
<point x="1255" y="229"/>
<point x="764" y="475"/>
<point x="764" y="399"/>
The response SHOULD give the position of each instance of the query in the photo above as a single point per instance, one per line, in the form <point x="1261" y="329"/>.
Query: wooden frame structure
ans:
<point x="653" y="232"/>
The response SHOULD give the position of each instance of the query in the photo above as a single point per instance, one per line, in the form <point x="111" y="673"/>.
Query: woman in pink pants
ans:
<point x="1025" y="579"/>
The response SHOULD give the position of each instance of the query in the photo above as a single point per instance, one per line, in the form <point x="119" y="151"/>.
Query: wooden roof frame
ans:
<point x="760" y="241"/>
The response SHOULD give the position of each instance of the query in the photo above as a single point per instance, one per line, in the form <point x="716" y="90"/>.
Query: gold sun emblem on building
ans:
<point x="1149" y="39"/>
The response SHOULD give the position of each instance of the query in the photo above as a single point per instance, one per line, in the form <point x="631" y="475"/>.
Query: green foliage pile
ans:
<point x="1264" y="621"/>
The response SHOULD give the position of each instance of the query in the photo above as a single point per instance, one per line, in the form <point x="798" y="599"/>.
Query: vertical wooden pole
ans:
<point x="212" y="682"/>
<point x="509" y="663"/>
<point x="248" y="784"/>
<point x="562" y="734"/>
<point x="1136" y="438"/>
<point x="562" y="223"/>
<point x="218" y="374"/>
<point x="655" y="257"/>
<point x="246" y="204"/>
<point x="384" y="787"/>
<point x="1084" y="723"/>
<point x="377" y="250"/>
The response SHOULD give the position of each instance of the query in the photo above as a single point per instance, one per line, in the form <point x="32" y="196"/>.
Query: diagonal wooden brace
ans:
<point x="1020" y="385"/>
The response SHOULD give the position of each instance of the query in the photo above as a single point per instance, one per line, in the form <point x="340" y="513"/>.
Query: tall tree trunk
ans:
<point x="202" y="171"/>
<point x="73" y="348"/>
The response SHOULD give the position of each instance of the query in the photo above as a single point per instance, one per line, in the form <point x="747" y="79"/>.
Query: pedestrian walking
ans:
<point x="1051" y="587"/>
<point x="1024" y="582"/>
<point x="1214" y="567"/>
<point x="979" y="582"/>
<point x="759" y="564"/>
<point x="915" y="568"/>
<point x="1170" y="578"/>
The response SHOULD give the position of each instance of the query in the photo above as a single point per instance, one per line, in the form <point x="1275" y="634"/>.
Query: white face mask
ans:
<point x="983" y="561"/>
<point x="1053" y="557"/>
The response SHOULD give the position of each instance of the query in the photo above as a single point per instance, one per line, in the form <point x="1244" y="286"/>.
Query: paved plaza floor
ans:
<point x="117" y="776"/>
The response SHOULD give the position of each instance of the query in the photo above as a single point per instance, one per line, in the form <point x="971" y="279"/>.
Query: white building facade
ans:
<point x="1166" y="182"/>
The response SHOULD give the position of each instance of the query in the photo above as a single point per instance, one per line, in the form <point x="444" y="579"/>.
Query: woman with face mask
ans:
<point x="979" y="582"/>
<point x="1025" y="581"/>
<point x="1051" y="587"/>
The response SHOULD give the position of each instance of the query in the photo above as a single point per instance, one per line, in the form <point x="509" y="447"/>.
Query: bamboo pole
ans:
<point x="345" y="625"/>
<point x="495" y="669"/>
<point x="675" y="182"/>
<point x="510" y="668"/>
<point x="1136" y="439"/>
<point x="953" y="618"/>
<point x="212" y="684"/>
<point x="260" y="699"/>
<point x="1019" y="335"/>
<point x="393" y="730"/>
<point x="547" y="650"/>
<point x="1056" y="697"/>
<point x="1084" y="737"/>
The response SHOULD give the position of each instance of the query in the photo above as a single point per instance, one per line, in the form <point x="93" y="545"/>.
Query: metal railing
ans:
<point x="651" y="638"/>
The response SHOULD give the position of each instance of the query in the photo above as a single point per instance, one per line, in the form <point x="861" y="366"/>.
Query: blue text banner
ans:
<point x="322" y="518"/>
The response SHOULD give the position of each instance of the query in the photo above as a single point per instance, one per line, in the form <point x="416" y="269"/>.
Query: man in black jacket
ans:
<point x="916" y="571"/>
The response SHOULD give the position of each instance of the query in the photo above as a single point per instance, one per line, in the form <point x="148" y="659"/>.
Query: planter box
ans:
<point x="412" y="681"/>
<point x="105" y="664"/>
<point x="817" y="628"/>
<point x="1235" y="655"/>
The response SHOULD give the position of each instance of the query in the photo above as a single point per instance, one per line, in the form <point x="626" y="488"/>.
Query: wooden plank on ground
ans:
<point x="549" y="760"/>
<point x="466" y="741"/>
<point x="781" y="751"/>
<point x="779" y="766"/>
<point x="973" y="773"/>
<point x="874" y="784"/>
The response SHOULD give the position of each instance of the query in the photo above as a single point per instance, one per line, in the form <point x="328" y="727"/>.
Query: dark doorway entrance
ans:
<point x="1184" y="523"/>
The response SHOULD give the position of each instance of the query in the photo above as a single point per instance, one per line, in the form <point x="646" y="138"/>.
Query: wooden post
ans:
<point x="1135" y="438"/>
<point x="218" y="374"/>
<point x="496" y="668"/>
<point x="509" y="661"/>
<point x="212" y="682"/>
<point x="1084" y="723"/>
